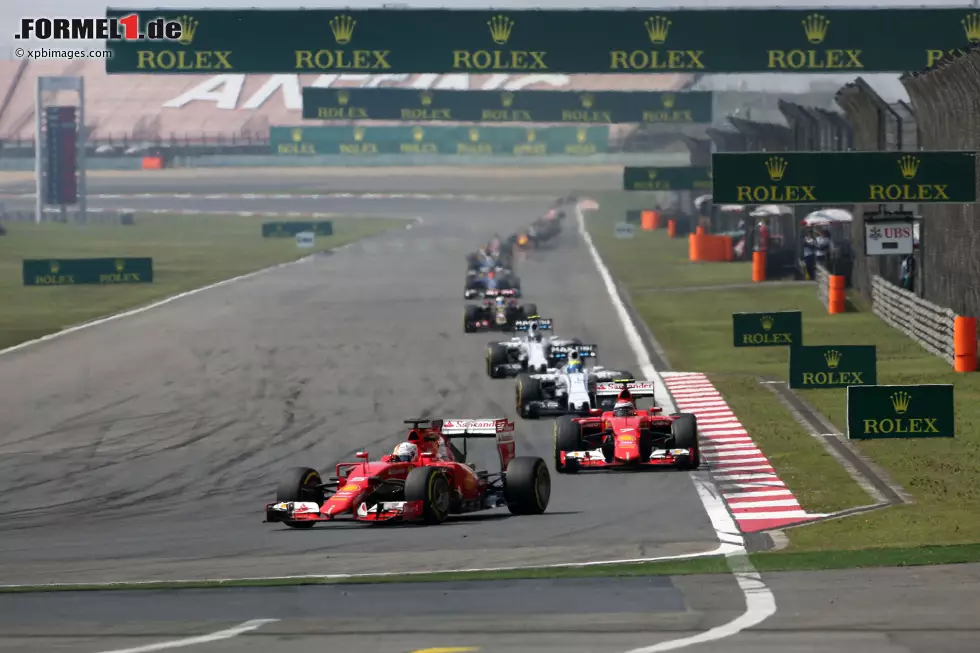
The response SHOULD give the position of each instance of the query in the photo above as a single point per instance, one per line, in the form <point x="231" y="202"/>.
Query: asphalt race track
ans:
<point x="145" y="448"/>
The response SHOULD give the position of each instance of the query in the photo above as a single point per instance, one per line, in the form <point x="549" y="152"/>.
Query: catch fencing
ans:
<point x="944" y="114"/>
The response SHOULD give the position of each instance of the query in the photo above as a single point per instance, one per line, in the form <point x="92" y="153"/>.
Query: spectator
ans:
<point x="809" y="254"/>
<point x="762" y="242"/>
<point x="908" y="272"/>
<point x="822" y="246"/>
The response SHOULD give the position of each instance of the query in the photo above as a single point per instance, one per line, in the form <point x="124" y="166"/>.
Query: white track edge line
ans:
<point x="240" y="629"/>
<point x="760" y="603"/>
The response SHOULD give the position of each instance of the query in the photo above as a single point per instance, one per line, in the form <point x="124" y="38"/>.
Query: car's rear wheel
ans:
<point x="528" y="391"/>
<point x="300" y="484"/>
<point x="496" y="355"/>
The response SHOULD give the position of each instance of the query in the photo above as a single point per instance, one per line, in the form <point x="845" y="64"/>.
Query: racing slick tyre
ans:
<point x="300" y="484"/>
<point x="496" y="355"/>
<point x="527" y="486"/>
<point x="568" y="437"/>
<point x="684" y="430"/>
<point x="470" y="315"/>
<point x="430" y="486"/>
<point x="528" y="391"/>
<point x="529" y="310"/>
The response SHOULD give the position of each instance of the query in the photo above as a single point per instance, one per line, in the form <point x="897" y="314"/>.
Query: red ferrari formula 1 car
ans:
<point x="426" y="485"/>
<point x="626" y="438"/>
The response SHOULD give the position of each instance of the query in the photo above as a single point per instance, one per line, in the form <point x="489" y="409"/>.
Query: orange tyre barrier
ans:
<point x="836" y="295"/>
<point x="671" y="229"/>
<point x="965" y="344"/>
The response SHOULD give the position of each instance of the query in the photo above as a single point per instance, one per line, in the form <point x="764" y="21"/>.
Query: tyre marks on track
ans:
<point x="757" y="498"/>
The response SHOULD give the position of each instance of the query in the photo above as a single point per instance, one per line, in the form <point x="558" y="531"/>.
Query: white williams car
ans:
<point x="569" y="389"/>
<point x="531" y="351"/>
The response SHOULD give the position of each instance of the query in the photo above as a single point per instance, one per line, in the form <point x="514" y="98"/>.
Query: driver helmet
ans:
<point x="500" y="301"/>
<point x="574" y="364"/>
<point x="624" y="408"/>
<point x="406" y="452"/>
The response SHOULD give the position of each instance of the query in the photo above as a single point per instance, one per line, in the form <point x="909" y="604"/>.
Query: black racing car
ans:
<point x="483" y="285"/>
<point x="492" y="315"/>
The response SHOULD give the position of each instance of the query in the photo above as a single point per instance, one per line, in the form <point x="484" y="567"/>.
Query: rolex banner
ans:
<point x="439" y="139"/>
<point x="602" y="107"/>
<point x="775" y="329"/>
<point x="844" y="178"/>
<point x="87" y="271"/>
<point x="546" y="42"/>
<point x="900" y="411"/>
<point x="663" y="178"/>
<point x="824" y="366"/>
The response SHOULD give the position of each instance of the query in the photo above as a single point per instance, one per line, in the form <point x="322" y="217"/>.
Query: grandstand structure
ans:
<point x="132" y="112"/>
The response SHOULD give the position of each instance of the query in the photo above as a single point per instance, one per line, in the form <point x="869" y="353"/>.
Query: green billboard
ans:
<point x="86" y="271"/>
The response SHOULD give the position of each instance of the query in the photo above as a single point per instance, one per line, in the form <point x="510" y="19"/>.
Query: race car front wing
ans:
<point x="596" y="459"/>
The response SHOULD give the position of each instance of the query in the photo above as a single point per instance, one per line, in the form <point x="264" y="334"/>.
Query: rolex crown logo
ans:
<point x="971" y="25"/>
<point x="343" y="97"/>
<point x="582" y="135"/>
<point x="531" y="136"/>
<point x="767" y="322"/>
<point x="474" y="135"/>
<point x="426" y="98"/>
<point x="909" y="165"/>
<point x="55" y="267"/>
<point x="901" y="401"/>
<point x="669" y="100"/>
<point x="815" y="27"/>
<point x="358" y="133"/>
<point x="342" y="28"/>
<point x="776" y="167"/>
<point x="657" y="28"/>
<point x="120" y="265"/>
<point x="500" y="28"/>
<point x="507" y="99"/>
<point x="588" y="100"/>
<point x="832" y="357"/>
<point x="188" y="26"/>
<point x="418" y="133"/>
<point x="297" y="135"/>
<point x="651" y="174"/>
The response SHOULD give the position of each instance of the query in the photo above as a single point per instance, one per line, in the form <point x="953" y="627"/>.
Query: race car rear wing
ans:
<point x="615" y="388"/>
<point x="502" y="429"/>
<point x="502" y="292"/>
<point x="542" y="323"/>
<point x="583" y="351"/>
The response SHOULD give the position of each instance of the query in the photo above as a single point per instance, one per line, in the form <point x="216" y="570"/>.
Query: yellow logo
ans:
<point x="426" y="98"/>
<point x="582" y="135"/>
<point x="418" y="133"/>
<point x="657" y="28"/>
<point x="971" y="25"/>
<point x="669" y="99"/>
<point x="815" y="26"/>
<point x="500" y="28"/>
<point x="776" y="167"/>
<point x="297" y="135"/>
<point x="507" y="99"/>
<point x="588" y="100"/>
<point x="55" y="267"/>
<point x="343" y="97"/>
<point x="531" y="136"/>
<point x="188" y="26"/>
<point x="350" y="487"/>
<point x="474" y="135"/>
<point x="120" y="265"/>
<point x="358" y="133"/>
<point x="342" y="28"/>
<point x="767" y="322"/>
<point x="909" y="166"/>
<point x="652" y="174"/>
<point x="901" y="401"/>
<point x="832" y="357"/>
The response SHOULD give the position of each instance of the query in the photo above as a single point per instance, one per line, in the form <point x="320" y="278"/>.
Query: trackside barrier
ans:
<point x="649" y="220"/>
<point x="822" y="277"/>
<point x="671" y="229"/>
<point x="836" y="294"/>
<point x="758" y="266"/>
<point x="965" y="344"/>
<point x="703" y="247"/>
<point x="929" y="325"/>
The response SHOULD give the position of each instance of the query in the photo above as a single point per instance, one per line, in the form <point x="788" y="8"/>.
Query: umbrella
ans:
<point x="770" y="210"/>
<point x="701" y="200"/>
<point x="827" y="216"/>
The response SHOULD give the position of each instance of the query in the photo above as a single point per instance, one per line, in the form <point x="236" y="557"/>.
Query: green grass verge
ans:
<point x="189" y="251"/>
<point x="694" y="328"/>
<point x="766" y="562"/>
